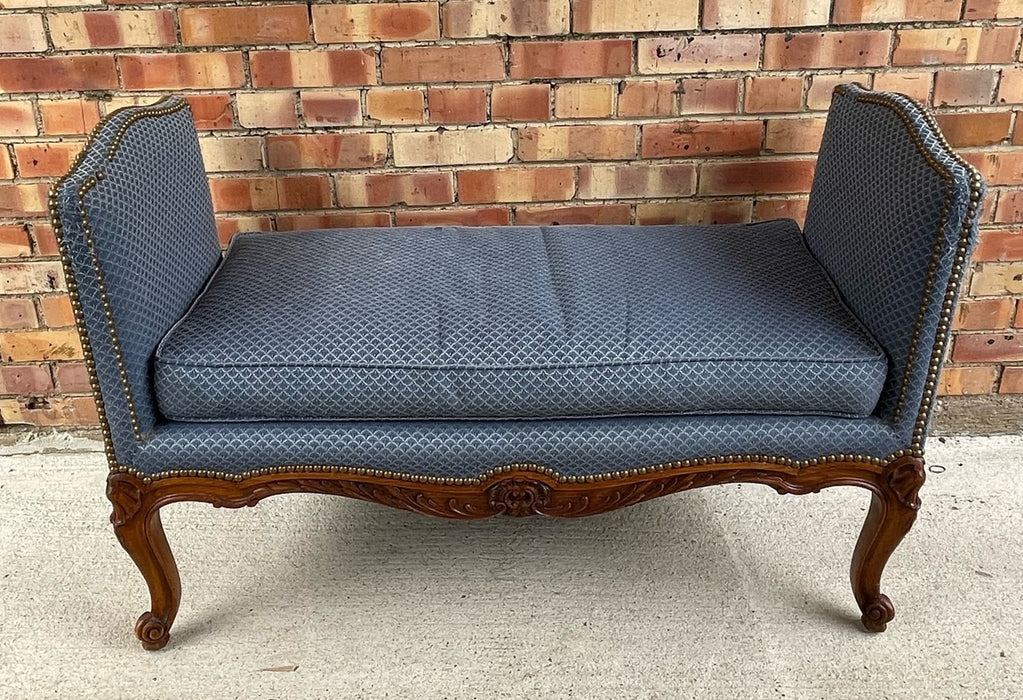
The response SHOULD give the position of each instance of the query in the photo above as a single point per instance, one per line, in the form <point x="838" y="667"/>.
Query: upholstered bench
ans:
<point x="465" y="372"/>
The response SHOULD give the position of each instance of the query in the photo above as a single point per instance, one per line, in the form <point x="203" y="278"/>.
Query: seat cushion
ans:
<point x="518" y="322"/>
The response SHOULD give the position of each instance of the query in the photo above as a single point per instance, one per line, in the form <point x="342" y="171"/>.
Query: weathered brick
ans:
<point x="227" y="227"/>
<point x="742" y="14"/>
<point x="331" y="107"/>
<point x="999" y="244"/>
<point x="997" y="278"/>
<point x="774" y="94"/>
<point x="942" y="46"/>
<point x="634" y="181"/>
<point x="314" y="68"/>
<point x="571" y="59"/>
<point x="22" y="33"/>
<point x="915" y="84"/>
<point x="77" y="116"/>
<point x="25" y="380"/>
<point x="236" y="26"/>
<point x="31" y="277"/>
<point x="853" y="49"/>
<point x="232" y="154"/>
<point x="388" y="189"/>
<point x="960" y="381"/>
<point x="181" y="70"/>
<point x="699" y="54"/>
<point x="876" y="11"/>
<point x="73" y="378"/>
<point x="57" y="310"/>
<point x="6" y="167"/>
<point x="1009" y="209"/>
<point x="453" y="147"/>
<point x="471" y="18"/>
<point x="14" y="241"/>
<point x="267" y="109"/>
<point x="50" y="411"/>
<point x="647" y="98"/>
<point x="46" y="242"/>
<point x="385" y="21"/>
<point x="211" y="111"/>
<point x="17" y="119"/>
<point x="1010" y="88"/>
<point x="560" y="215"/>
<point x="45" y="159"/>
<point x="993" y="9"/>
<point x="614" y="16"/>
<point x="694" y="212"/>
<point x="16" y="314"/>
<point x="799" y="135"/>
<point x="39" y="346"/>
<point x="710" y="96"/>
<point x="1012" y="381"/>
<point x="578" y="142"/>
<point x="984" y="314"/>
<point x="270" y="193"/>
<point x="693" y="139"/>
<point x="1017" y="131"/>
<point x="520" y="103"/>
<point x="462" y="105"/>
<point x="822" y="87"/>
<point x="347" y="219"/>
<point x="122" y="28"/>
<point x="24" y="200"/>
<point x="978" y="129"/>
<point x="482" y="216"/>
<point x="396" y="105"/>
<point x="442" y="64"/>
<point x="516" y="185"/>
<point x="754" y="177"/>
<point x="577" y="100"/>
<point x="773" y="207"/>
<point x="988" y="347"/>
<point x="326" y="151"/>
<point x="998" y="167"/>
<point x="57" y="73"/>
<point x="964" y="87"/>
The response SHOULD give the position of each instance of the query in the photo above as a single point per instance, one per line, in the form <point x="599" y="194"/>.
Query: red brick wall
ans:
<point x="494" y="112"/>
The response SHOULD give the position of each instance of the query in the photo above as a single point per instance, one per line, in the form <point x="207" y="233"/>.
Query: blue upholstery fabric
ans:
<point x="153" y="245"/>
<point x="518" y="322"/>
<point x="885" y="218"/>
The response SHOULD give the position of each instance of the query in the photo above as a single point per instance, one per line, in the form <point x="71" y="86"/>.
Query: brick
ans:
<point x="767" y="208"/>
<point x="442" y="64"/>
<point x="999" y="245"/>
<point x="453" y="147"/>
<point x="482" y="216"/>
<point x="316" y="68"/>
<point x="693" y="212"/>
<point x="988" y="347"/>
<point x="6" y="168"/>
<point x="742" y="14"/>
<point x="944" y="46"/>
<point x="635" y="181"/>
<point x="800" y="135"/>
<point x="384" y="190"/>
<point x="1017" y="131"/>
<point x="525" y="103"/>
<point x="266" y="109"/>
<point x="463" y="105"/>
<point x="822" y="87"/>
<point x="964" y="87"/>
<point x="14" y="241"/>
<point x="73" y="378"/>
<point x="755" y="177"/>
<point x="854" y="49"/>
<point x="211" y="111"/>
<point x="22" y="33"/>
<point x="578" y="142"/>
<point x="571" y="59"/>
<point x="396" y="105"/>
<point x="237" y="26"/>
<point x="977" y="129"/>
<point x="960" y="381"/>
<point x="326" y="151"/>
<point x="17" y="119"/>
<point x="774" y="94"/>
<point x="232" y="154"/>
<point x="57" y="311"/>
<point x="993" y="9"/>
<point x="1010" y="88"/>
<point x="17" y="314"/>
<point x="1012" y="381"/>
<point x="914" y="84"/>
<point x="39" y="346"/>
<point x="385" y="21"/>
<point x="24" y="200"/>
<point x="45" y="159"/>
<point x="182" y="70"/>
<point x="614" y="16"/>
<point x="46" y="242"/>
<point x="997" y="278"/>
<point x="647" y="98"/>
<point x="470" y="18"/>
<point x="66" y="117"/>
<point x="592" y="100"/>
<point x="78" y="31"/>
<point x="270" y="193"/>
<point x="984" y="314"/>
<point x="331" y="107"/>
<point x="516" y="185"/>
<point x="31" y="277"/>
<point x="875" y="11"/>
<point x="699" y="54"/>
<point x="25" y="380"/>
<point x="50" y="411"/>
<point x="57" y="73"/>
<point x="227" y="227"/>
<point x="348" y="219"/>
<point x="558" y="215"/>
<point x="692" y="139"/>
<point x="999" y="167"/>
<point x="710" y="96"/>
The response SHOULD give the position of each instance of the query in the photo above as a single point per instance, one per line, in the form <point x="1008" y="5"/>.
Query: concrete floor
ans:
<point x="725" y="592"/>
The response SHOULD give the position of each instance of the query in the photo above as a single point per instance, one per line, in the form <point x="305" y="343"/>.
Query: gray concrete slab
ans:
<point x="725" y="592"/>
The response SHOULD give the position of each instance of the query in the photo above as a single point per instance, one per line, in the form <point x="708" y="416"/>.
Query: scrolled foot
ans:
<point x="152" y="632"/>
<point x="878" y="614"/>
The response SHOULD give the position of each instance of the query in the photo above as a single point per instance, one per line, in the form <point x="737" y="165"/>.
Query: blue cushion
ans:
<point x="518" y="322"/>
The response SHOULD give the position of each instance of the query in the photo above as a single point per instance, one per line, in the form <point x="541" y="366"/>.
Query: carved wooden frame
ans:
<point x="515" y="492"/>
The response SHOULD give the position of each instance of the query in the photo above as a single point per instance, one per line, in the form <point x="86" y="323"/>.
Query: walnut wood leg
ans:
<point x="139" y="530"/>
<point x="891" y="515"/>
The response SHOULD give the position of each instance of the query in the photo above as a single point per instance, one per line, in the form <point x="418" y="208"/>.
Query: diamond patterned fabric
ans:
<point x="518" y="322"/>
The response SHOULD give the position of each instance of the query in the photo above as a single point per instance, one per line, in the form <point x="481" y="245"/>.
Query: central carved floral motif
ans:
<point x="519" y="496"/>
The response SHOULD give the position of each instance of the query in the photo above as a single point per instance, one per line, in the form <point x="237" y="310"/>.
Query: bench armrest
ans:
<point x="893" y="217"/>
